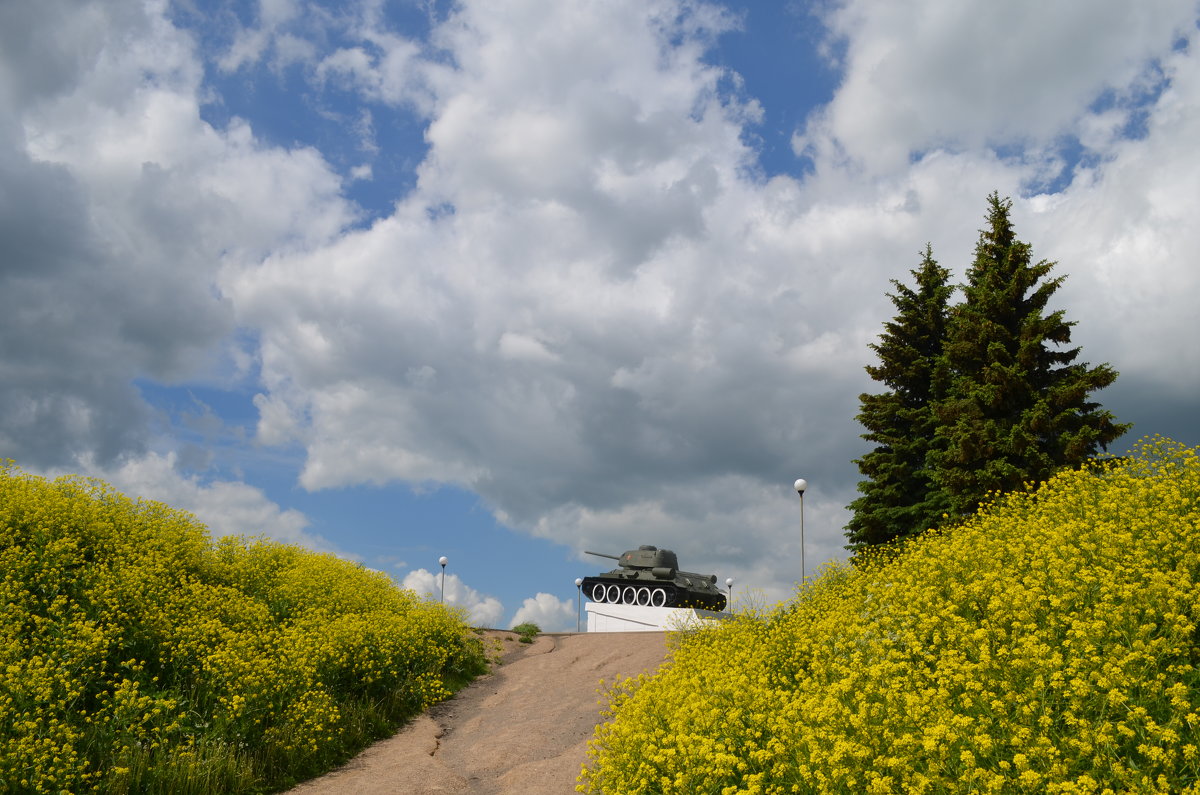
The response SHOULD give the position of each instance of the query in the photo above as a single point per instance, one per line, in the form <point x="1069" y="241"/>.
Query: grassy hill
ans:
<point x="1048" y="645"/>
<point x="138" y="655"/>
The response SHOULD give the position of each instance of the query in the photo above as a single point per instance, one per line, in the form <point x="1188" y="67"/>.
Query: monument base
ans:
<point x="604" y="617"/>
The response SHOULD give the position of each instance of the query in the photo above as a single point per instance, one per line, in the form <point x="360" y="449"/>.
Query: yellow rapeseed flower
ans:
<point x="1048" y="644"/>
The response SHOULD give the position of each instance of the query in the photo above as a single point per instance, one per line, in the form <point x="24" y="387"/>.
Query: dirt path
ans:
<point x="522" y="729"/>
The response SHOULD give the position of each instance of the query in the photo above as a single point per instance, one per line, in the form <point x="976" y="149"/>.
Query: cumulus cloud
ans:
<point x="967" y="76"/>
<point x="592" y="310"/>
<point x="224" y="507"/>
<point x="597" y="317"/>
<point x="119" y="207"/>
<point x="1122" y="230"/>
<point x="550" y="613"/>
<point x="611" y="314"/>
<point x="482" y="610"/>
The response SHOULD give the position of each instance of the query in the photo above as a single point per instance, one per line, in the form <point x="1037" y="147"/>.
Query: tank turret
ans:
<point x="650" y="577"/>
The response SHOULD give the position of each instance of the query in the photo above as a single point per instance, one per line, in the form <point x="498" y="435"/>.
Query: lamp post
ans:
<point x="443" y="560"/>
<point x="729" y="585"/>
<point x="578" y="599"/>
<point x="800" y="485"/>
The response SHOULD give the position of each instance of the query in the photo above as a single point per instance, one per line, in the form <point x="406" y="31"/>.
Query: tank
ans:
<point x="650" y="577"/>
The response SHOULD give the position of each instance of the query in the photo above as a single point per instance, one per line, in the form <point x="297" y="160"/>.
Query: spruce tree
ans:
<point x="899" y="497"/>
<point x="1017" y="406"/>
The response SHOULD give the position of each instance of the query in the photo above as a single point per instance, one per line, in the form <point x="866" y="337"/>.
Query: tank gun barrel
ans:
<point x="602" y="555"/>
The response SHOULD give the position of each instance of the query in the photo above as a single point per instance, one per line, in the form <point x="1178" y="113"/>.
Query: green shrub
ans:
<point x="528" y="631"/>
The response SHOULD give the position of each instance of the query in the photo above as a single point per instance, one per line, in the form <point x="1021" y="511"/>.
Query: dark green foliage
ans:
<point x="899" y="497"/>
<point x="982" y="397"/>
<point x="1016" y="409"/>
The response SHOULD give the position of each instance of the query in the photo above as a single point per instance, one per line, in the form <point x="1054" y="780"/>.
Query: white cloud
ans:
<point x="1122" y="232"/>
<point x="591" y="310"/>
<point x="621" y="334"/>
<point x="224" y="507"/>
<point x="251" y="44"/>
<point x="482" y="610"/>
<point x="131" y="204"/>
<point x="588" y="221"/>
<point x="550" y="613"/>
<point x="384" y="68"/>
<point x="970" y="75"/>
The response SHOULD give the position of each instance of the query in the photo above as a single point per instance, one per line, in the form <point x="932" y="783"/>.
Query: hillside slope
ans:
<point x="522" y="729"/>
<point x="139" y="655"/>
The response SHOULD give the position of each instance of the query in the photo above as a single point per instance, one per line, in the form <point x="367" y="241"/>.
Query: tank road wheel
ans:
<point x="599" y="590"/>
<point x="643" y="597"/>
<point x="629" y="596"/>
<point x="658" y="597"/>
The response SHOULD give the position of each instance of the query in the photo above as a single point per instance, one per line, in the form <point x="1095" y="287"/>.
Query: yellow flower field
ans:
<point x="1048" y="644"/>
<point x="136" y="655"/>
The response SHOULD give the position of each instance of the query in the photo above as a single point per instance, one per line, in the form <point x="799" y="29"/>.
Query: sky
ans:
<point x="508" y="280"/>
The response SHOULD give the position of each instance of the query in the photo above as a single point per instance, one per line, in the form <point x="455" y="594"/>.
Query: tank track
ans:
<point x="649" y="594"/>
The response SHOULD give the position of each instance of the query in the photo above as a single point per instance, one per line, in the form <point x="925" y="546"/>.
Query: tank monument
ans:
<point x="648" y="592"/>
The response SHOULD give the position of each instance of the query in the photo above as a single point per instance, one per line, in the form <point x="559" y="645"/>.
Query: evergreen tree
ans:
<point x="1016" y="409"/>
<point x="899" y="497"/>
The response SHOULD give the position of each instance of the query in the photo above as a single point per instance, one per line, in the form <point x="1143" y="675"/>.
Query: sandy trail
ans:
<point x="522" y="729"/>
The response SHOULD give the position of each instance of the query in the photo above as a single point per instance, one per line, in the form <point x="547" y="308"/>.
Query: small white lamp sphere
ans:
<point x="729" y="582"/>
<point x="443" y="560"/>
<point x="578" y="581"/>
<point x="801" y="485"/>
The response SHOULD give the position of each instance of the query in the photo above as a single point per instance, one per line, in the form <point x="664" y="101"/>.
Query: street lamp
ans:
<point x="578" y="599"/>
<point x="729" y="585"/>
<point x="443" y="560"/>
<point x="800" y="485"/>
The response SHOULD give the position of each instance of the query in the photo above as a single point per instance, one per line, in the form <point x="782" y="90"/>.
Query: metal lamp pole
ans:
<point x="729" y="585"/>
<point x="800" y="485"/>
<point x="578" y="599"/>
<point x="443" y="560"/>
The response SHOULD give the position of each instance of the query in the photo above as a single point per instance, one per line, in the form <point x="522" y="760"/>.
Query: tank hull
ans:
<point x="620" y="588"/>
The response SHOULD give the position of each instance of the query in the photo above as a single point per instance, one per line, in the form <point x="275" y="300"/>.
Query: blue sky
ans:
<point x="508" y="280"/>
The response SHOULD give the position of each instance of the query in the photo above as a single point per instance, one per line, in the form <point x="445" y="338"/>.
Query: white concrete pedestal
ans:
<point x="604" y="617"/>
